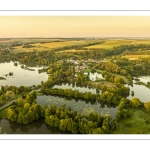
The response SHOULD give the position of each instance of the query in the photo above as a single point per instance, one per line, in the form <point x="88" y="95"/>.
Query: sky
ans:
<point x="74" y="26"/>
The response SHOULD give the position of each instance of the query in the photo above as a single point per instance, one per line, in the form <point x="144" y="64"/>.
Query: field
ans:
<point x="109" y="44"/>
<point x="135" y="57"/>
<point x="21" y="49"/>
<point x="50" y="45"/>
<point x="72" y="50"/>
<point x="138" y="123"/>
<point x="59" y="44"/>
<point x="141" y="42"/>
<point x="25" y="40"/>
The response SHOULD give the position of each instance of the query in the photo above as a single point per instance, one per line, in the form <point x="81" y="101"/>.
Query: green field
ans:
<point x="135" y="57"/>
<point x="25" y="40"/>
<point x="72" y="50"/>
<point x="136" y="42"/>
<point x="138" y="123"/>
<point x="111" y="43"/>
<point x="59" y="44"/>
<point x="21" y="49"/>
<point x="49" y="46"/>
<point x="52" y="44"/>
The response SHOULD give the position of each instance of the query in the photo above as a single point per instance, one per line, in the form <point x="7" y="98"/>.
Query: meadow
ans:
<point x="38" y="46"/>
<point x="47" y="44"/>
<point x="109" y="44"/>
<point x="138" y="123"/>
<point x="59" y="44"/>
<point x="135" y="57"/>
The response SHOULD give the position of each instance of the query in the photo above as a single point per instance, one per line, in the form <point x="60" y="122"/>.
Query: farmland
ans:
<point x="135" y="57"/>
<point x="52" y="45"/>
<point x="109" y="44"/>
<point x="71" y="45"/>
<point x="49" y="45"/>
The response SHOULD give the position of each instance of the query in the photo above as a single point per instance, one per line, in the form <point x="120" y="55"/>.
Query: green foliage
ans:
<point x="26" y="110"/>
<point x="147" y="107"/>
<point x="68" y="120"/>
<point x="136" y="103"/>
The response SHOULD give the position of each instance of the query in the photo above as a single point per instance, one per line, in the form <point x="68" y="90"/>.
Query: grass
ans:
<point x="72" y="50"/>
<point x="59" y="44"/>
<point x="25" y="40"/>
<point x="48" y="46"/>
<point x="21" y="49"/>
<point x="109" y="44"/>
<point x="137" y="42"/>
<point x="134" y="57"/>
<point x="100" y="84"/>
<point x="138" y="123"/>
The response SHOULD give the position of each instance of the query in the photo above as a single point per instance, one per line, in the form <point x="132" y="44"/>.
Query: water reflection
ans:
<point x="95" y="76"/>
<point x="21" y="77"/>
<point x="78" y="104"/>
<point x="140" y="91"/>
<point x="36" y="127"/>
<point x="144" y="79"/>
<point x="76" y="86"/>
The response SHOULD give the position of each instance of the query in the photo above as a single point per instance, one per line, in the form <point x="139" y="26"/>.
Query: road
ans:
<point x="8" y="104"/>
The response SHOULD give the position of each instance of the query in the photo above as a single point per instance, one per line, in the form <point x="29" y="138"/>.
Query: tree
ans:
<point x="26" y="107"/>
<point x="135" y="102"/>
<point x="12" y="115"/>
<point x="20" y="102"/>
<point x="15" y="64"/>
<point x="10" y="94"/>
<point x="147" y="107"/>
<point x="31" y="97"/>
<point x="30" y="116"/>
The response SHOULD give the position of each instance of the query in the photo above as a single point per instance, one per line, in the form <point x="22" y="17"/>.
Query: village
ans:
<point x="82" y="64"/>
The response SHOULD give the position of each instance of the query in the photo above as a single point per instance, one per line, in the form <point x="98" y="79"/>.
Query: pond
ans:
<point x="95" y="76"/>
<point x="81" y="106"/>
<point x="140" y="91"/>
<point x="36" y="127"/>
<point x="29" y="77"/>
<point x="144" y="79"/>
<point x="20" y="77"/>
<point x="76" y="87"/>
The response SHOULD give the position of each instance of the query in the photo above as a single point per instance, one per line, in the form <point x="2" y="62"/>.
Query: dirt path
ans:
<point x="8" y="104"/>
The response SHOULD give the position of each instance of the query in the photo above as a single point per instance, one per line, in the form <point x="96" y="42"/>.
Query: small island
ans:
<point x="2" y="78"/>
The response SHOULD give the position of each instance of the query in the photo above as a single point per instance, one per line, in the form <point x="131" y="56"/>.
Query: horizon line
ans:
<point x="76" y="37"/>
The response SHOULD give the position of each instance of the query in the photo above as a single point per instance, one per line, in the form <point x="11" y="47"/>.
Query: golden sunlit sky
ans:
<point x="74" y="26"/>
